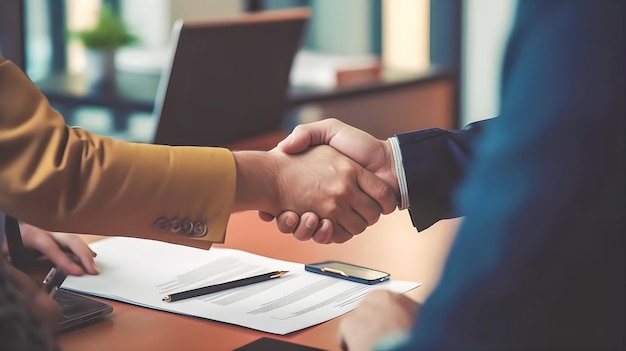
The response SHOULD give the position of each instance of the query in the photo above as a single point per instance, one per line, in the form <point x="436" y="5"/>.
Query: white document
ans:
<point x="142" y="272"/>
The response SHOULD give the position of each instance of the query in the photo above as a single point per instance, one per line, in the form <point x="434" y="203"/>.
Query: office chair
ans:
<point x="228" y="79"/>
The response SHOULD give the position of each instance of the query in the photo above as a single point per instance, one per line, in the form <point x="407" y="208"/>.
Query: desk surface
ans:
<point x="391" y="245"/>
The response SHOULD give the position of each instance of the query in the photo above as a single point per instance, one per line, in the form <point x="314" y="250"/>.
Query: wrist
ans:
<point x="255" y="189"/>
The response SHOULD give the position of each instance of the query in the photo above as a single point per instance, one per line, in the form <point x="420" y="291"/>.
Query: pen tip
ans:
<point x="278" y="274"/>
<point x="167" y="298"/>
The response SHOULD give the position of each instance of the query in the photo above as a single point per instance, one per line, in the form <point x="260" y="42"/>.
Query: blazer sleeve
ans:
<point x="67" y="179"/>
<point x="434" y="161"/>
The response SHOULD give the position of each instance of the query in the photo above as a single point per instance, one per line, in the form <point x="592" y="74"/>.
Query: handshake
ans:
<point x="326" y="181"/>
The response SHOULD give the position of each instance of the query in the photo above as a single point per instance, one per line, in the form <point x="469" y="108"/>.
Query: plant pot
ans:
<point x="100" y="68"/>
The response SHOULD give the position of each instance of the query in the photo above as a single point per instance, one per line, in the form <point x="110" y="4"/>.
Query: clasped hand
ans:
<point x="370" y="158"/>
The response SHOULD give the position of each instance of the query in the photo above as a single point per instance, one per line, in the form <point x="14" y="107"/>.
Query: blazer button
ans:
<point x="200" y="229"/>
<point x="186" y="226"/>
<point x="162" y="224"/>
<point x="175" y="225"/>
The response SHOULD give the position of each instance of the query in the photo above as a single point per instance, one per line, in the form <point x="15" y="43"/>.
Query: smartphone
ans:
<point x="348" y="271"/>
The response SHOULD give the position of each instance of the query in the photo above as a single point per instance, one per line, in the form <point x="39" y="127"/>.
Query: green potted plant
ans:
<point x="101" y="42"/>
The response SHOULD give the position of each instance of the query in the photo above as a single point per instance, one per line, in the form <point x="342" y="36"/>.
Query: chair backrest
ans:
<point x="228" y="79"/>
<point x="12" y="31"/>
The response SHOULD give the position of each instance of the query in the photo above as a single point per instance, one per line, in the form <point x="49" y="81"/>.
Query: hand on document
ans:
<point x="55" y="246"/>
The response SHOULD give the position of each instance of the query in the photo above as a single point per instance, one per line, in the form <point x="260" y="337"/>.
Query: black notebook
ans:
<point x="265" y="344"/>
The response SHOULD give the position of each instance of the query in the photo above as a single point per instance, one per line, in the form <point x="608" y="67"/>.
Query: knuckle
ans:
<point x="347" y="167"/>
<point x="331" y="209"/>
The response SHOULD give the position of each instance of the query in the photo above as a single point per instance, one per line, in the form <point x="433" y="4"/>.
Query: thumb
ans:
<point x="314" y="133"/>
<point x="295" y="142"/>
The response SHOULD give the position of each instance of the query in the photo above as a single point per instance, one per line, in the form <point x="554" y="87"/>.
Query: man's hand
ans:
<point x="320" y="180"/>
<point x="381" y="313"/>
<point x="55" y="247"/>
<point x="373" y="154"/>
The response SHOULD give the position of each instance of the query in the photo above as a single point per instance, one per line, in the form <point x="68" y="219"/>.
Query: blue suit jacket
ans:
<point x="539" y="259"/>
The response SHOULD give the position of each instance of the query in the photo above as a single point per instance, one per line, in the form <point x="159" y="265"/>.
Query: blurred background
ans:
<point x="409" y="63"/>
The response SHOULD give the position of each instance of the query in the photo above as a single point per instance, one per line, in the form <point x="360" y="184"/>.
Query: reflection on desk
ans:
<point x="391" y="245"/>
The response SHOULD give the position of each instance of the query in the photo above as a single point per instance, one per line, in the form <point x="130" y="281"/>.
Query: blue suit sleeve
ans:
<point x="434" y="161"/>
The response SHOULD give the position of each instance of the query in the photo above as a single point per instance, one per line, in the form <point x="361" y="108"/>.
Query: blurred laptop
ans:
<point x="228" y="79"/>
<point x="76" y="310"/>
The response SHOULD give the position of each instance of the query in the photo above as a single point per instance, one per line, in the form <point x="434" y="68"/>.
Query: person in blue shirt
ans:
<point x="538" y="262"/>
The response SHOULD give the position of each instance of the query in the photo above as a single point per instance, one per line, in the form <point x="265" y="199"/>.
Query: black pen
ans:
<point x="223" y="286"/>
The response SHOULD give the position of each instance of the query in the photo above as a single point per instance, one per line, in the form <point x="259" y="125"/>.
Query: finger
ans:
<point x="323" y="234"/>
<point x="297" y="141"/>
<point x="378" y="190"/>
<point x="309" y="223"/>
<point x="366" y="207"/>
<point x="76" y="246"/>
<point x="85" y="256"/>
<point x="340" y="235"/>
<point x="51" y="249"/>
<point x="68" y="265"/>
<point x="290" y="145"/>
<point x="305" y="135"/>
<point x="348" y="219"/>
<point x="266" y="217"/>
<point x="351" y="221"/>
<point x="287" y="221"/>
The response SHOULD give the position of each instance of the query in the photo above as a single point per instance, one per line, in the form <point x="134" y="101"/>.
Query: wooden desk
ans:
<point x="391" y="245"/>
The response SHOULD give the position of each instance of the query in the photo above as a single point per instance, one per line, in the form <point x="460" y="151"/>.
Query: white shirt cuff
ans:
<point x="404" y="189"/>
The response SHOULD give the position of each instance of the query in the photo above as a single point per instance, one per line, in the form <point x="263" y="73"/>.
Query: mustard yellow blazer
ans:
<point x="67" y="179"/>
